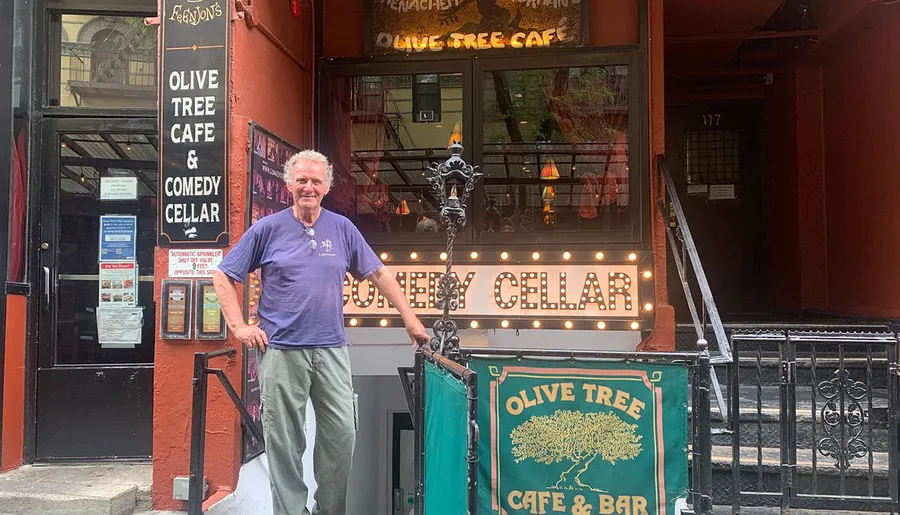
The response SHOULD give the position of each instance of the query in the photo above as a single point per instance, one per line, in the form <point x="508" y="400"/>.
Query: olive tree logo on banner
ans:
<point x="585" y="439"/>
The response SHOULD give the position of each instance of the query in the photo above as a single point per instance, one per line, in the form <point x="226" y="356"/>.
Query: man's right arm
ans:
<point x="249" y="335"/>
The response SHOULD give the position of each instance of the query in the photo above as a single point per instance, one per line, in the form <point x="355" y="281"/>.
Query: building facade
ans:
<point x="565" y="108"/>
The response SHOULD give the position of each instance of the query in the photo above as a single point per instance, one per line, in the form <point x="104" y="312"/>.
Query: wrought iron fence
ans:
<point x="814" y="419"/>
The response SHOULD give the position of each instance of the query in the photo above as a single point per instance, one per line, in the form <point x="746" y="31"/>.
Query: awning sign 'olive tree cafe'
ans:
<point x="427" y="26"/>
<point x="193" y="206"/>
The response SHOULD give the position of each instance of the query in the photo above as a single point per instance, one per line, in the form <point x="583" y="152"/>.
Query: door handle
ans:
<point x="47" y="288"/>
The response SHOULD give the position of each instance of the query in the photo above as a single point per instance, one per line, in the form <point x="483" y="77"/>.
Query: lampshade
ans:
<point x="456" y="136"/>
<point x="403" y="208"/>
<point x="549" y="193"/>
<point x="550" y="171"/>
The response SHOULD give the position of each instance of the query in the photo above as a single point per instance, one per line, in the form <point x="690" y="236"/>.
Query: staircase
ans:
<point x="89" y="489"/>
<point x="803" y="416"/>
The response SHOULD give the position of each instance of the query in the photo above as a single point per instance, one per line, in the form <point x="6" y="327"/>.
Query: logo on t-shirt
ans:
<point x="327" y="247"/>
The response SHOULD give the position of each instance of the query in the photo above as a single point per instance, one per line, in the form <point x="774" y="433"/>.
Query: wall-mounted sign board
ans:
<point x="177" y="300"/>
<point x="432" y="26"/>
<point x="193" y="196"/>
<point x="210" y="322"/>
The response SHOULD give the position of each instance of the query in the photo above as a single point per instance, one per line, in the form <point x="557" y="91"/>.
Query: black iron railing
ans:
<point x="704" y="314"/>
<point x="815" y="413"/>
<point x="200" y="382"/>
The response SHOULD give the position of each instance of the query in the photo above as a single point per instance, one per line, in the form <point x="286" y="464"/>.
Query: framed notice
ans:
<point x="210" y="322"/>
<point x="176" y="297"/>
<point x="193" y="196"/>
<point x="415" y="27"/>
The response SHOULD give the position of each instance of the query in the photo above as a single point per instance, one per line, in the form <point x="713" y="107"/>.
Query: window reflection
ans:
<point x="556" y="150"/>
<point x="107" y="61"/>
<point x="385" y="131"/>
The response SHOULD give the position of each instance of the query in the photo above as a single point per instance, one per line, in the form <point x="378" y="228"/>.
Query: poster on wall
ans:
<point x="431" y="26"/>
<point x="575" y="438"/>
<point x="267" y="195"/>
<point x="193" y="196"/>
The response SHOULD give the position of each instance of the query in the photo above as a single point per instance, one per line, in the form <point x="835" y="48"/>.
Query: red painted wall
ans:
<point x="613" y="22"/>
<point x="14" y="382"/>
<point x="271" y="89"/>
<point x="862" y="177"/>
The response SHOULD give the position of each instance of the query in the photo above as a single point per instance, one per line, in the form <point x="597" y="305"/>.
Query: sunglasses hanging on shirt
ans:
<point x="311" y="233"/>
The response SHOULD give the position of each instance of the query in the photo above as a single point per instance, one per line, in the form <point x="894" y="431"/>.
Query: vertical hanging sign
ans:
<point x="193" y="207"/>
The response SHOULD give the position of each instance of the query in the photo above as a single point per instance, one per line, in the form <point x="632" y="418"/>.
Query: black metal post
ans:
<point x="703" y="455"/>
<point x="419" y="428"/>
<point x="198" y="434"/>
<point x="472" y="458"/>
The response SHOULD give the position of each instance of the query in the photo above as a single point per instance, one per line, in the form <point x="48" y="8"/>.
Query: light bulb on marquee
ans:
<point x="569" y="324"/>
<point x="474" y="255"/>
<point x="504" y="323"/>
<point x="536" y="324"/>
<point x="648" y="307"/>
<point x="385" y="256"/>
<point x="383" y="322"/>
<point x="567" y="255"/>
<point x="443" y="256"/>
<point x="413" y="255"/>
<point x="632" y="256"/>
<point x="635" y="326"/>
<point x="504" y="255"/>
<point x="598" y="256"/>
<point x="601" y="325"/>
<point x="473" y="324"/>
<point x="648" y="274"/>
<point x="354" y="322"/>
<point x="535" y="255"/>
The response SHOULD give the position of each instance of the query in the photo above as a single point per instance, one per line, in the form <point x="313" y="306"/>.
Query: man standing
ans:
<point x="305" y="253"/>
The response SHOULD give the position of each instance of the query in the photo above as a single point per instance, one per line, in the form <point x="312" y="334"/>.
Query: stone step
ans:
<point x="88" y="489"/>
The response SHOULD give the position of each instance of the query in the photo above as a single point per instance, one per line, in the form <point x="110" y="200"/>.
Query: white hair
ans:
<point x="312" y="156"/>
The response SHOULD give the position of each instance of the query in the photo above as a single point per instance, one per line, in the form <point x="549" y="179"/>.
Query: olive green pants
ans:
<point x="288" y="379"/>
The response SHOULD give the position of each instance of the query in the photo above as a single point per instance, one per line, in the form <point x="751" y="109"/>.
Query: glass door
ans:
<point x="97" y="317"/>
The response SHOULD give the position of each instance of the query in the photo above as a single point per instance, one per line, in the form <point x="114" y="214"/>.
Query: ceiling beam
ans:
<point x="740" y="36"/>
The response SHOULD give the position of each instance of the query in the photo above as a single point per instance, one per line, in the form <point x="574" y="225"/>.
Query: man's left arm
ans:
<point x="387" y="284"/>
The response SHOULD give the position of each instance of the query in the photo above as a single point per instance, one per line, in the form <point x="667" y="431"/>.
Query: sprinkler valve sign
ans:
<point x="193" y="197"/>
<point x="428" y="26"/>
<point x="572" y="291"/>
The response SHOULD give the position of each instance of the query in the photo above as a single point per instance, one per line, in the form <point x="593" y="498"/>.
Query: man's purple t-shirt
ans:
<point x="302" y="301"/>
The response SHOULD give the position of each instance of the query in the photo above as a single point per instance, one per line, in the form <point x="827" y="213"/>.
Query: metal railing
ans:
<point x="705" y="314"/>
<point x="815" y="413"/>
<point x="200" y="382"/>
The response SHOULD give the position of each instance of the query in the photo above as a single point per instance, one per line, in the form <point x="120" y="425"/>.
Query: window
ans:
<point x="384" y="132"/>
<point x="106" y="61"/>
<point x="712" y="157"/>
<point x="556" y="150"/>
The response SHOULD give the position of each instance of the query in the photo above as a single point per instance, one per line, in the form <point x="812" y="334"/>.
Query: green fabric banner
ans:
<point x="446" y="439"/>
<point x="582" y="439"/>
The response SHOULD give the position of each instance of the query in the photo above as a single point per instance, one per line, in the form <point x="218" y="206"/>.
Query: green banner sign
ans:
<point x="581" y="439"/>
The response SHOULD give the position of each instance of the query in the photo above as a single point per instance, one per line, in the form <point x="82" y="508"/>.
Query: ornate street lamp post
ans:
<point x="447" y="180"/>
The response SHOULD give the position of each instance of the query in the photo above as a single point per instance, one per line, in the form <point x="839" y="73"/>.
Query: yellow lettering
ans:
<point x="558" y="499"/>
<point x="639" y="506"/>
<point x="434" y="44"/>
<point x="516" y="40"/>
<point x="605" y="505"/>
<point x="623" y="504"/>
<point x="483" y="43"/>
<point x="514" y="499"/>
<point x="567" y="392"/>
<point x="621" y="398"/>
<point x="470" y="40"/>
<point x="514" y="406"/>
<point x="528" y="403"/>
<point x="497" y="40"/>
<point x="528" y="502"/>
<point x="604" y="395"/>
<point x="543" y="499"/>
<point x="635" y="410"/>
<point x="590" y="389"/>
<point x="550" y="391"/>
<point x="547" y="36"/>
<point x="534" y="38"/>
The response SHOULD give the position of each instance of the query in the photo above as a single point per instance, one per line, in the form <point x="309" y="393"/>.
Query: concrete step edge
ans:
<point x="122" y="502"/>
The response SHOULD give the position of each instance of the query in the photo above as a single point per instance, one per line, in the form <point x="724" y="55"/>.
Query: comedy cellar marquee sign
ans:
<point x="193" y="206"/>
<point x="428" y="26"/>
<point x="586" y="439"/>
<point x="571" y="291"/>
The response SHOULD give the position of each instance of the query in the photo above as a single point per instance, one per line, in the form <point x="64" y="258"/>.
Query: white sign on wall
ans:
<point x="118" y="188"/>
<point x="572" y="291"/>
<point x="193" y="262"/>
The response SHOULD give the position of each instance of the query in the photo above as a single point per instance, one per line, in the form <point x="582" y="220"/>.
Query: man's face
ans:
<point x="308" y="185"/>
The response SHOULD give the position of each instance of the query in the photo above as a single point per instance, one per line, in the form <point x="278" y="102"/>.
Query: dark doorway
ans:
<point x="715" y="154"/>
<point x="97" y="312"/>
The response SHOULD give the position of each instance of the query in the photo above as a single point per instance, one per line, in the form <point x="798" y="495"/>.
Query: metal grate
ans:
<point x="712" y="157"/>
